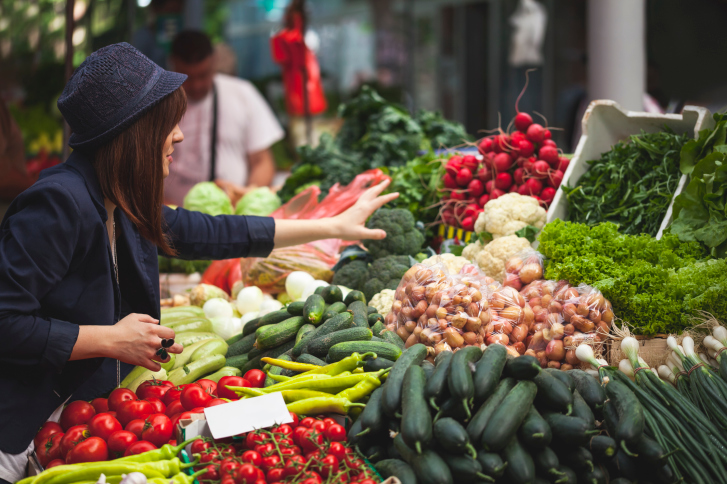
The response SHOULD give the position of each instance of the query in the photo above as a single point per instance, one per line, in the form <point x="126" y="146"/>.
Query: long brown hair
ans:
<point x="130" y="169"/>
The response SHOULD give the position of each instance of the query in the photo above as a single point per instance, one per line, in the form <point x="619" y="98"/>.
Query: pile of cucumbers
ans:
<point x="324" y="328"/>
<point x="477" y="417"/>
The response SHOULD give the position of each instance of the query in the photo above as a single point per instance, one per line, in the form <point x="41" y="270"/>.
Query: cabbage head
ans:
<point x="260" y="201"/>
<point x="206" y="197"/>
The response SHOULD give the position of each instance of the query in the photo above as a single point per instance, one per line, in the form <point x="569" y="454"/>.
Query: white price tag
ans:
<point x="242" y="416"/>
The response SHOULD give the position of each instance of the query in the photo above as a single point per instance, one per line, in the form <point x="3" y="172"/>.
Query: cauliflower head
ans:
<point x="453" y="263"/>
<point x="509" y="213"/>
<point x="383" y="301"/>
<point x="492" y="257"/>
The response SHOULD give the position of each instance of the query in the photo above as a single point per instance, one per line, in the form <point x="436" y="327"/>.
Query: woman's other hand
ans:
<point x="351" y="224"/>
<point x="137" y="338"/>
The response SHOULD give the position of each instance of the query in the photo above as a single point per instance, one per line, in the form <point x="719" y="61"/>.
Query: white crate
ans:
<point x="605" y="124"/>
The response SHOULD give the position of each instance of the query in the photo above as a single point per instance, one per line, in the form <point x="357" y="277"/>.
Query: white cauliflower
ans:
<point x="509" y="213"/>
<point x="383" y="301"/>
<point x="491" y="258"/>
<point x="453" y="263"/>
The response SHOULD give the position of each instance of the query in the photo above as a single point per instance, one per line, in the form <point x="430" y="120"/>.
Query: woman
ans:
<point x="79" y="279"/>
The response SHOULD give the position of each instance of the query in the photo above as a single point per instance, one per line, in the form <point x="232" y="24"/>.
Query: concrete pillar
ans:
<point x="617" y="51"/>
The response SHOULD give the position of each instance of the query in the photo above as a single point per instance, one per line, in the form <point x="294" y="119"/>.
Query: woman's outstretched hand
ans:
<point x="352" y="223"/>
<point x="138" y="337"/>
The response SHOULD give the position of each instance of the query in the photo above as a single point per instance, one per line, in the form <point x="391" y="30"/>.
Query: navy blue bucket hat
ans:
<point x="109" y="91"/>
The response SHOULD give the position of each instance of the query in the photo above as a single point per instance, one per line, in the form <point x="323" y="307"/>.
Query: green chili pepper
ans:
<point x="349" y="363"/>
<point x="278" y="378"/>
<point x="360" y="389"/>
<point x="93" y="470"/>
<point x="290" y="365"/>
<point x="166" y="452"/>
<point x="334" y="384"/>
<point x="289" y="396"/>
<point x="317" y="405"/>
<point x="181" y="478"/>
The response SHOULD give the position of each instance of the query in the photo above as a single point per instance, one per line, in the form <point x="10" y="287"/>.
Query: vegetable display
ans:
<point x="206" y="197"/>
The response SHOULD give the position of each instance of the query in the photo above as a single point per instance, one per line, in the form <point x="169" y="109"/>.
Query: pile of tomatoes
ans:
<point x="311" y="451"/>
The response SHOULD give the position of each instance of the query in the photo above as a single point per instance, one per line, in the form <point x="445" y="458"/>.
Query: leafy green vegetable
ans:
<point x="179" y="266"/>
<point x="631" y="185"/>
<point x="417" y="183"/>
<point x="206" y="197"/>
<point x="529" y="232"/>
<point x="261" y="201"/>
<point x="402" y="238"/>
<point x="441" y="133"/>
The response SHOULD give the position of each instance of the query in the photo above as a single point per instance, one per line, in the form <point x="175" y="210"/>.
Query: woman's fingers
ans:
<point x="176" y="348"/>
<point x="383" y="200"/>
<point x="372" y="234"/>
<point x="145" y="318"/>
<point x="152" y="365"/>
<point x="164" y="332"/>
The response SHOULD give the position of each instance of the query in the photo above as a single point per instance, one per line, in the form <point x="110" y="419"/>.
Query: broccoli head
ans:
<point x="402" y="238"/>
<point x="351" y="275"/>
<point x="385" y="273"/>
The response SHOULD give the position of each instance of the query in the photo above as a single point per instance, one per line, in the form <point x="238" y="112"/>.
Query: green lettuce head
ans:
<point x="260" y="201"/>
<point x="206" y="197"/>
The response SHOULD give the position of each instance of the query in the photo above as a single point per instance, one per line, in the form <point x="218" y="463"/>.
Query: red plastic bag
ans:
<point x="222" y="273"/>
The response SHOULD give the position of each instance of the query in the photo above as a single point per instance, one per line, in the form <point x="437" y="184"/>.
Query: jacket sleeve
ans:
<point x="37" y="242"/>
<point x="197" y="235"/>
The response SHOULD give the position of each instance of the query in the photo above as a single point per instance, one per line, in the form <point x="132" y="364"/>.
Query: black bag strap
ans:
<point x="213" y="137"/>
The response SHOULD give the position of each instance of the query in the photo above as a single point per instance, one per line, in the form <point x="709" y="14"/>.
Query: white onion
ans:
<point x="311" y="287"/>
<point x="224" y="327"/>
<point x="296" y="282"/>
<point x="270" y="305"/>
<point x="625" y="367"/>
<point x="247" y="318"/>
<point x="249" y="300"/>
<point x="671" y="341"/>
<point x="217" y="308"/>
<point x="720" y="332"/>
<point x="688" y="345"/>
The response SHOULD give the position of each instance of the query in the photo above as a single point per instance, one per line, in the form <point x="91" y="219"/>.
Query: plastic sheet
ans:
<point x="269" y="274"/>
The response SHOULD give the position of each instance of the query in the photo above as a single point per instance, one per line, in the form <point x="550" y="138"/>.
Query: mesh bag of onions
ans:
<point x="524" y="268"/>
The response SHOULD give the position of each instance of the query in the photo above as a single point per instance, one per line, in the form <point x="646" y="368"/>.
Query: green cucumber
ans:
<point x="393" y="338"/>
<point x="525" y="367"/>
<point x="336" y="323"/>
<point x="354" y="431"/>
<point x="375" y="318"/>
<point x="492" y="464"/>
<point x="234" y="339"/>
<point x="568" y="475"/>
<point x="630" y="413"/>
<point x="224" y="371"/>
<point x="271" y="318"/>
<point x="295" y="308"/>
<point x="477" y="424"/>
<point x="376" y="364"/>
<point x="371" y="310"/>
<point x="602" y="447"/>
<point x="211" y="347"/>
<point x="577" y="458"/>
<point x="465" y="468"/>
<point x="378" y="328"/>
<point x="195" y="370"/>
<point x="598" y="476"/>
<point x="649" y="449"/>
<point x="189" y="325"/>
<point x="254" y="363"/>
<point x="310" y="359"/>
<point x="553" y="394"/>
<point x="392" y="388"/>
<point x="563" y="377"/>
<point x="374" y="453"/>
<point x="569" y="429"/>
<point x="342" y="350"/>
<point x="488" y="371"/>
<point x="378" y="340"/>
<point x="437" y="389"/>
<point x="360" y="318"/>
<point x="428" y="466"/>
<point x="453" y="408"/>
<point x="460" y="375"/>
<point x="520" y="466"/>
<point x="332" y="294"/>
<point x="582" y="410"/>
<point x="451" y="436"/>
<point x="320" y="346"/>
<point x="332" y="310"/>
<point x="396" y="468"/>
<point x="610" y="417"/>
<point x="508" y="416"/>
<point x="372" y="418"/>
<point x="186" y="339"/>
<point x="304" y="330"/>
<point x="416" y="421"/>
<point x="534" y="432"/>
<point x="590" y="389"/>
<point x="237" y="361"/>
<point x="314" y="308"/>
<point x="319" y="290"/>
<point x="546" y="462"/>
<point x="273" y="335"/>
<point x="428" y="368"/>
<point x="354" y="296"/>
<point x="275" y="370"/>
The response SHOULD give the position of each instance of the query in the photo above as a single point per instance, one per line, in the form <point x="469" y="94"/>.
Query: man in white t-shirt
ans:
<point x="225" y="108"/>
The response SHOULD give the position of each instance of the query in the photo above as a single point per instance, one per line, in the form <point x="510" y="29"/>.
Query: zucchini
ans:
<point x="196" y="310"/>
<point x="372" y="418"/>
<point x="186" y="339"/>
<point x="305" y="329"/>
<point x="563" y="377"/>
<point x="224" y="371"/>
<point x="374" y="318"/>
<point x="336" y="323"/>
<point x="332" y="310"/>
<point x="569" y="429"/>
<point x="582" y="410"/>
<point x="274" y="335"/>
<point x="428" y="368"/>
<point x="396" y="468"/>
<point x="391" y="399"/>
<point x="371" y="310"/>
<point x="200" y="325"/>
<point x="437" y="389"/>
<point x="477" y="424"/>
<point x="314" y="308"/>
<point x="492" y="464"/>
<point x="354" y="296"/>
<point x="186" y="355"/>
<point x="577" y="458"/>
<point x="238" y="361"/>
<point x="465" y="468"/>
<point x="428" y="466"/>
<point x="271" y="318"/>
<point x="295" y="308"/>
<point x="332" y="294"/>
<point x="342" y="350"/>
<point x="320" y="346"/>
<point x="590" y="389"/>
<point x="393" y="338"/>
<point x="553" y="394"/>
<point x="535" y="432"/>
<point x="546" y="462"/>
<point x="416" y="421"/>
<point x="376" y="364"/>
<point x="520" y="466"/>
<point x="242" y="346"/>
<point x="211" y="347"/>
<point x="630" y="413"/>
<point x="195" y="370"/>
<point x="377" y="328"/>
<point x="310" y="359"/>
<point x="602" y="447"/>
<point x="525" y="367"/>
<point x="508" y="416"/>
<point x="135" y="373"/>
<point x="275" y="370"/>
<point x="460" y="375"/>
<point x="488" y="371"/>
<point x="360" y="317"/>
<point x="451" y="436"/>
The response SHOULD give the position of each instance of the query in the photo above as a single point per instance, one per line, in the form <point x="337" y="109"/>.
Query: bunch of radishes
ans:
<point x="464" y="187"/>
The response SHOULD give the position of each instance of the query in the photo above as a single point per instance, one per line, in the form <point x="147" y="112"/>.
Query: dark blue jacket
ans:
<point x="56" y="273"/>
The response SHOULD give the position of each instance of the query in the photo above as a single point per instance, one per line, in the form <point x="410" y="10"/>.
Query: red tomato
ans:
<point x="247" y="474"/>
<point x="310" y="439"/>
<point x="214" y="402"/>
<point x="136" y="427"/>
<point x="55" y="462"/>
<point x="295" y="421"/>
<point x="294" y="465"/>
<point x="194" y="396"/>
<point x="368" y="481"/>
<point x="292" y="450"/>
<point x="112" y="413"/>
<point x="255" y="377"/>
<point x="159" y="407"/>
<point x="174" y="408"/>
<point x="254" y="438"/>
<point x="271" y="461"/>
<point x="261" y="481"/>
<point x="328" y="465"/>
<point x="180" y="416"/>
<point x="153" y="388"/>
<point x="157" y="429"/>
<point x="46" y="430"/>
<point x="329" y="422"/>
<point x="197" y="410"/>
<point x="251" y="457"/>
<point x="319" y="426"/>
<point x="76" y="413"/>
<point x="119" y="396"/>
<point x="298" y="434"/>
<point x="275" y="475"/>
<point x="75" y="434"/>
<point x="227" y="480"/>
<point x="139" y="448"/>
<point x="103" y="425"/>
<point x="119" y="441"/>
<point x="212" y="474"/>
<point x="173" y="394"/>
<point x="200" y="445"/>
<point x="229" y="467"/>
<point x="208" y="385"/>
<point x="265" y="449"/>
<point x="100" y="405"/>
<point x="338" y="450"/>
<point x="50" y="450"/>
<point x="93" y="449"/>
<point x="307" y="422"/>
<point x="209" y="455"/>
<point x="312" y="477"/>
<point x="233" y="381"/>
<point x="335" y="433"/>
<point x="132" y="410"/>
<point x="314" y="456"/>
<point x="284" y="429"/>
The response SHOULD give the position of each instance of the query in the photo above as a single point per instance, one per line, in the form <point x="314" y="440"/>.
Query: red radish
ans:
<point x="528" y="165"/>
<point x="476" y="188"/>
<point x="453" y="165"/>
<point x="519" y="176"/>
<point x="563" y="164"/>
<point x="536" y="133"/>
<point x="485" y="145"/>
<point x="503" y="181"/>
<point x="512" y="189"/>
<point x="540" y="169"/>
<point x="471" y="210"/>
<point x="459" y="210"/>
<point x="534" y="186"/>
<point x="470" y="162"/>
<point x="523" y="121"/>
<point x="549" y="142"/>
<point x="464" y="176"/>
<point x="448" y="217"/>
<point x="459" y="195"/>
<point x="555" y="178"/>
<point x="484" y="199"/>
<point x="496" y="193"/>
<point x="526" y="148"/>
<point x="549" y="154"/>
<point x="445" y="197"/>
<point x="517" y="137"/>
<point x="547" y="194"/>
<point x="538" y="199"/>
<point x="547" y="134"/>
<point x="502" y="162"/>
<point x="490" y="186"/>
<point x="468" y="223"/>
<point x="484" y="174"/>
<point x="523" y="189"/>
<point x="449" y="181"/>
<point x="501" y="143"/>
